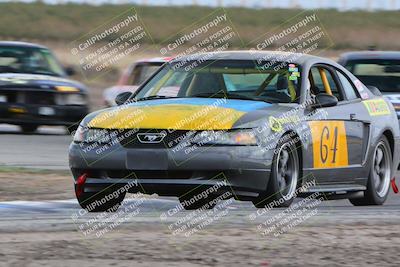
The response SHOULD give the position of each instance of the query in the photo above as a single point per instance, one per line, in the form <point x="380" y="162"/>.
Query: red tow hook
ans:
<point x="80" y="184"/>
<point x="394" y="186"/>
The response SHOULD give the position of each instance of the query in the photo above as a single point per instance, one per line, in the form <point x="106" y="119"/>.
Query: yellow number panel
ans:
<point x="329" y="144"/>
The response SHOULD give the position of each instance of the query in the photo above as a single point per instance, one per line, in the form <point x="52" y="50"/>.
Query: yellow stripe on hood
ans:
<point x="170" y="116"/>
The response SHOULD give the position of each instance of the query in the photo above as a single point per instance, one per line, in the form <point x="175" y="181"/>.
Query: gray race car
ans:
<point x="266" y="127"/>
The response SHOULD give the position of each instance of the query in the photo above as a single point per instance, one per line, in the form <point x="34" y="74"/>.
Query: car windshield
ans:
<point x="32" y="60"/>
<point x="383" y="74"/>
<point x="244" y="79"/>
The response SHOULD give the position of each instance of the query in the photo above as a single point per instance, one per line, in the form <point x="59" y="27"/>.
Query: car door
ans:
<point x="339" y="138"/>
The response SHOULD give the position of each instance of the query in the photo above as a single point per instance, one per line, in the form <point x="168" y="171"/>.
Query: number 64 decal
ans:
<point x="329" y="143"/>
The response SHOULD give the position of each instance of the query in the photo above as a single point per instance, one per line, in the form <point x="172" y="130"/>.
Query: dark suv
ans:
<point x="34" y="89"/>
<point x="380" y="69"/>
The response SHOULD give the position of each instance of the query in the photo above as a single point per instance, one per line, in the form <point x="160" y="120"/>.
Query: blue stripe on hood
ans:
<point x="237" y="104"/>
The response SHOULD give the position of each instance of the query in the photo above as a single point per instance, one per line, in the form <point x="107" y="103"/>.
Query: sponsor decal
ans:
<point x="377" y="107"/>
<point x="275" y="124"/>
<point x="294" y="73"/>
<point x="361" y="90"/>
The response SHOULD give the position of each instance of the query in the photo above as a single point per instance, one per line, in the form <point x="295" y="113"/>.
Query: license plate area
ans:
<point x="147" y="160"/>
<point x="46" y="111"/>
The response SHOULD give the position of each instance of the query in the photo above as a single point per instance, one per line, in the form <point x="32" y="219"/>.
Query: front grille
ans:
<point x="39" y="98"/>
<point x="10" y="95"/>
<point x="130" y="139"/>
<point x="32" y="97"/>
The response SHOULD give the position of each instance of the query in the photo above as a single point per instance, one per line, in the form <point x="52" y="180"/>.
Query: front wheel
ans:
<point x="378" y="184"/>
<point x="284" y="177"/>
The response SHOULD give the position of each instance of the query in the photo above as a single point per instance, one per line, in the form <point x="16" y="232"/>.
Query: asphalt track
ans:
<point x="48" y="150"/>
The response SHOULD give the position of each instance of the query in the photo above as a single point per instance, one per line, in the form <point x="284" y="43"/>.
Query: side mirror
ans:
<point x="122" y="98"/>
<point x="374" y="90"/>
<point x="70" y="71"/>
<point x="323" y="100"/>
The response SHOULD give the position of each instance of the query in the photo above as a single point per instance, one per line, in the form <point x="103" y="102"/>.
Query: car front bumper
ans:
<point x="20" y="114"/>
<point x="245" y="170"/>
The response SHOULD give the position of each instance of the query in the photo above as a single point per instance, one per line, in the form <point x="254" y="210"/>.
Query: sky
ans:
<point x="308" y="4"/>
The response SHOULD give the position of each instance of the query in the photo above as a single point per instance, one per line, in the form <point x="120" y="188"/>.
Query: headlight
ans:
<point x="87" y="135"/>
<point x="3" y="99"/>
<point x="71" y="99"/>
<point x="237" y="137"/>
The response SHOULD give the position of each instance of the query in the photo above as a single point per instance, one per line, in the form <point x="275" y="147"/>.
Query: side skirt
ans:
<point x="332" y="192"/>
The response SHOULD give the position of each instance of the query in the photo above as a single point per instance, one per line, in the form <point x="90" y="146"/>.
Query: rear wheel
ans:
<point x="379" y="177"/>
<point x="29" y="128"/>
<point x="284" y="177"/>
<point x="100" y="201"/>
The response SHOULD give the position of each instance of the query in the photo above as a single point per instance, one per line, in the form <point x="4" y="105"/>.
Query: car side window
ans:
<point x="347" y="86"/>
<point x="318" y="86"/>
<point x="316" y="77"/>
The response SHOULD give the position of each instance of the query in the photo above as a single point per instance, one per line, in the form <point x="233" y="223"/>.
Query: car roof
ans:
<point x="20" y="44"/>
<point x="155" y="60"/>
<point x="369" y="55"/>
<point x="296" y="58"/>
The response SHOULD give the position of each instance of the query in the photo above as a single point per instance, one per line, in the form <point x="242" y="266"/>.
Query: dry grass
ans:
<point x="64" y="23"/>
<point x="35" y="185"/>
<point x="57" y="26"/>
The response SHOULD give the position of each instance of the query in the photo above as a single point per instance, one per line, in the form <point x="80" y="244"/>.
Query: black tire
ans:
<point x="29" y="128"/>
<point x="87" y="201"/>
<point x="377" y="190"/>
<point x="276" y="191"/>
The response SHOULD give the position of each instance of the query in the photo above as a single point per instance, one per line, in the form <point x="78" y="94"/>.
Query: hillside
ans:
<point x="47" y="23"/>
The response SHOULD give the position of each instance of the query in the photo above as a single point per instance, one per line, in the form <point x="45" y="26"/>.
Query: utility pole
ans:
<point x="294" y="4"/>
<point x="393" y="5"/>
<point x="344" y="4"/>
<point x="321" y="4"/>
<point x="369" y="5"/>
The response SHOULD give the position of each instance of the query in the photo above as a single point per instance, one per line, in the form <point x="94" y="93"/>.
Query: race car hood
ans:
<point x="19" y="80"/>
<point x="183" y="114"/>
